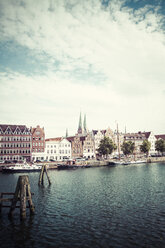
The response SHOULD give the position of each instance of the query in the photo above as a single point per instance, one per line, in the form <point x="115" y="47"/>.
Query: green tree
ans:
<point x="160" y="145"/>
<point x="145" y="147"/>
<point x="106" y="147"/>
<point x="128" y="147"/>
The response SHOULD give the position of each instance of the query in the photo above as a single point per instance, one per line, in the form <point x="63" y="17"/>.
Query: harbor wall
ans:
<point x="156" y="159"/>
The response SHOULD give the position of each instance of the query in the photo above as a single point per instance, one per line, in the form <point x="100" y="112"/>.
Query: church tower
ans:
<point x="85" y="125"/>
<point x="80" y="131"/>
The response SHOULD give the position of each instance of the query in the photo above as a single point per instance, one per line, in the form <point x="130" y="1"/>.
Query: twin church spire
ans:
<point x="82" y="129"/>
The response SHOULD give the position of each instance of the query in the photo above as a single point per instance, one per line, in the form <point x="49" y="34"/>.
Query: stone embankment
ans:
<point x="155" y="159"/>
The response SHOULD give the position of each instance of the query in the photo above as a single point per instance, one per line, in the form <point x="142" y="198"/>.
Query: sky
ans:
<point x="105" y="59"/>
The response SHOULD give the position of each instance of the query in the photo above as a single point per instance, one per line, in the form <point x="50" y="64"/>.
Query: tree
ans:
<point x="160" y="145"/>
<point x="106" y="146"/>
<point x="145" y="147"/>
<point x="128" y="147"/>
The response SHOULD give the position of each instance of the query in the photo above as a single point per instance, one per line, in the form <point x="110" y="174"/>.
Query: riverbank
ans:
<point x="90" y="163"/>
<point x="155" y="159"/>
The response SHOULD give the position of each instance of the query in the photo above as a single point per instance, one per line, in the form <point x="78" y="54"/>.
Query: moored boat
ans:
<point x="24" y="167"/>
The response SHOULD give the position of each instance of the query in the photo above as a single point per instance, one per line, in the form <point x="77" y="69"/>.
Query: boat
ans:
<point x="65" y="167"/>
<point x="114" y="163"/>
<point x="21" y="167"/>
<point x="73" y="166"/>
<point x="138" y="162"/>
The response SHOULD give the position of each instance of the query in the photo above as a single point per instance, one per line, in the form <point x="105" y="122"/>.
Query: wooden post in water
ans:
<point x="22" y="194"/>
<point x="41" y="177"/>
<point x="0" y="203"/>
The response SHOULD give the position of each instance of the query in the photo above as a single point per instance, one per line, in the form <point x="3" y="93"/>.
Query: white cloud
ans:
<point x="116" y="46"/>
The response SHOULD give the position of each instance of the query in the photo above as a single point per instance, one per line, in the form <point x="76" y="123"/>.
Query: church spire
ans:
<point x="66" y="133"/>
<point x="80" y="125"/>
<point x="85" y="124"/>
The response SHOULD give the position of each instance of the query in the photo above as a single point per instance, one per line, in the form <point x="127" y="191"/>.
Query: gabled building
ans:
<point x="82" y="146"/>
<point x="89" y="146"/>
<point x="15" y="143"/>
<point x="38" y="143"/>
<point x="76" y="145"/>
<point x="38" y="139"/>
<point x="98" y="135"/>
<point x="152" y="139"/>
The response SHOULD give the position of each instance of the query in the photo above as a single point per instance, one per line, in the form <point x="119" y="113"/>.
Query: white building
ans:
<point x="98" y="135"/>
<point x="57" y="149"/>
<point x="38" y="156"/>
<point x="152" y="139"/>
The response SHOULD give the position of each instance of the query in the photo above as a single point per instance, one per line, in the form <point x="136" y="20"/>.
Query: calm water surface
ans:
<point x="96" y="207"/>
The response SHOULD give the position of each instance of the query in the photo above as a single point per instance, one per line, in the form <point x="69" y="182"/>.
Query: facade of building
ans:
<point x="152" y="139"/>
<point x="98" y="135"/>
<point x="109" y="133"/>
<point x="76" y="145"/>
<point x="15" y="143"/>
<point x="89" y="146"/>
<point x="57" y="149"/>
<point x="137" y="139"/>
<point x="38" y="143"/>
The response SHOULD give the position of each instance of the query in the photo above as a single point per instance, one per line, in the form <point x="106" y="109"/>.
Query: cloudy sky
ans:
<point x="103" y="58"/>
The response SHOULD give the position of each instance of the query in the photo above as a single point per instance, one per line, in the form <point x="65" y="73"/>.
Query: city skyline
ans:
<point x="104" y="59"/>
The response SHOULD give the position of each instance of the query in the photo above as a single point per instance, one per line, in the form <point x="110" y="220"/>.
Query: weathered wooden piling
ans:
<point x="41" y="177"/>
<point x="22" y="194"/>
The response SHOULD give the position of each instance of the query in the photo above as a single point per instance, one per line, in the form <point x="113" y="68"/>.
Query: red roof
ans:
<point x="54" y="139"/>
<point x="14" y="127"/>
<point x="147" y="134"/>
<point x="160" y="136"/>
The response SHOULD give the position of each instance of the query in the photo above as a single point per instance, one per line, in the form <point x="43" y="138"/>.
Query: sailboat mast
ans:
<point x="118" y="141"/>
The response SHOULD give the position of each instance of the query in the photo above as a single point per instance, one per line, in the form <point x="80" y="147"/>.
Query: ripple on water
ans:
<point x="100" y="207"/>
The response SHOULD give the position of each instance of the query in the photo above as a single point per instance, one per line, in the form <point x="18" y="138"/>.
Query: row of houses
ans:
<point x="18" y="142"/>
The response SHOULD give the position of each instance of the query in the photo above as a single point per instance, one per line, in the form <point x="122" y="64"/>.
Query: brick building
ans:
<point x="38" y="143"/>
<point x="38" y="139"/>
<point x="15" y="143"/>
<point x="77" y="145"/>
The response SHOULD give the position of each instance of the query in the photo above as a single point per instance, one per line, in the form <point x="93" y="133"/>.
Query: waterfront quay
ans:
<point x="85" y="163"/>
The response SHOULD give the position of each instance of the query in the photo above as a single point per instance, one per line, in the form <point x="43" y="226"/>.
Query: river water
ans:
<point x="120" y="206"/>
